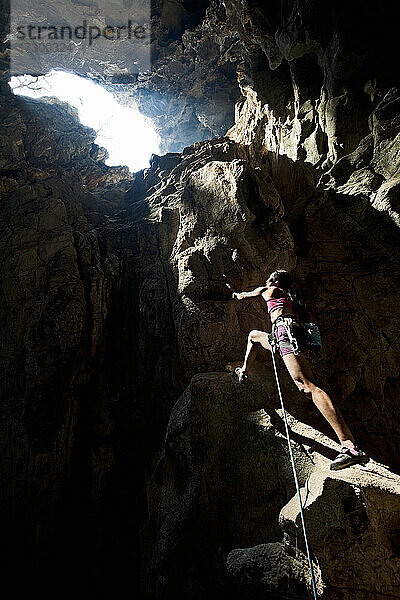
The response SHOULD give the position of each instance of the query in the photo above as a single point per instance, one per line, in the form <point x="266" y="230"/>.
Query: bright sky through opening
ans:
<point x="128" y="136"/>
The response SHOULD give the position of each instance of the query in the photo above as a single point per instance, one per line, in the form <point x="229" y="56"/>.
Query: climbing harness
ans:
<point x="272" y="342"/>
<point x="288" y="323"/>
<point x="307" y="337"/>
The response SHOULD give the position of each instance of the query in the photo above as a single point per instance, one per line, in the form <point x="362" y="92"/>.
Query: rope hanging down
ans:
<point x="314" y="589"/>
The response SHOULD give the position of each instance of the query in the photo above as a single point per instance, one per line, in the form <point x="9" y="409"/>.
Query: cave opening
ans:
<point x="129" y="137"/>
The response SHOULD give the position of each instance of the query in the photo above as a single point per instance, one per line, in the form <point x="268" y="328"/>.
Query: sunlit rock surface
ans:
<point x="131" y="460"/>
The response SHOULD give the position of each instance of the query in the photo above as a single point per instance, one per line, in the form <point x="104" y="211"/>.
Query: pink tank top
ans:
<point x="282" y="302"/>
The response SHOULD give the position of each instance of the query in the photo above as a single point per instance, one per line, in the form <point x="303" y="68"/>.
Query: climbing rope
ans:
<point x="314" y="588"/>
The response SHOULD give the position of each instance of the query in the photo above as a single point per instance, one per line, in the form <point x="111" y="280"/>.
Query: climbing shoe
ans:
<point x="348" y="457"/>
<point x="240" y="376"/>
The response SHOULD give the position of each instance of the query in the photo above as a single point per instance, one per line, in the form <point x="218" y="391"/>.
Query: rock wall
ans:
<point x="239" y="212"/>
<point x="191" y="90"/>
<point x="131" y="458"/>
<point x="315" y="72"/>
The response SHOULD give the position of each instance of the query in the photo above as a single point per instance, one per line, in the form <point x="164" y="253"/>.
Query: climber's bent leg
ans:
<point x="255" y="339"/>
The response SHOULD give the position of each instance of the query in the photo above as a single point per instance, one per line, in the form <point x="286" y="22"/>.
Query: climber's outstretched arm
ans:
<point x="242" y="295"/>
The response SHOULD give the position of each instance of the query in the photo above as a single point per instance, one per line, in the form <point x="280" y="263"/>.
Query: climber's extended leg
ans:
<point x="300" y="371"/>
<point x="255" y="340"/>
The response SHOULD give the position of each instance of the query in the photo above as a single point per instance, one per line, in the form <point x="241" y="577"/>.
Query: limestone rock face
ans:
<point x="221" y="456"/>
<point x="192" y="88"/>
<point x="56" y="287"/>
<point x="276" y="566"/>
<point x="353" y="515"/>
<point x="131" y="458"/>
<point x="329" y="67"/>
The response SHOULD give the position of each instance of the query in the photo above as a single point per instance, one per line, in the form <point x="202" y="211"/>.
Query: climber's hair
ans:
<point x="283" y="279"/>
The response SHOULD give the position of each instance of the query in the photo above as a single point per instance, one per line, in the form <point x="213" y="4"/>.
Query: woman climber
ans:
<point x="283" y="308"/>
